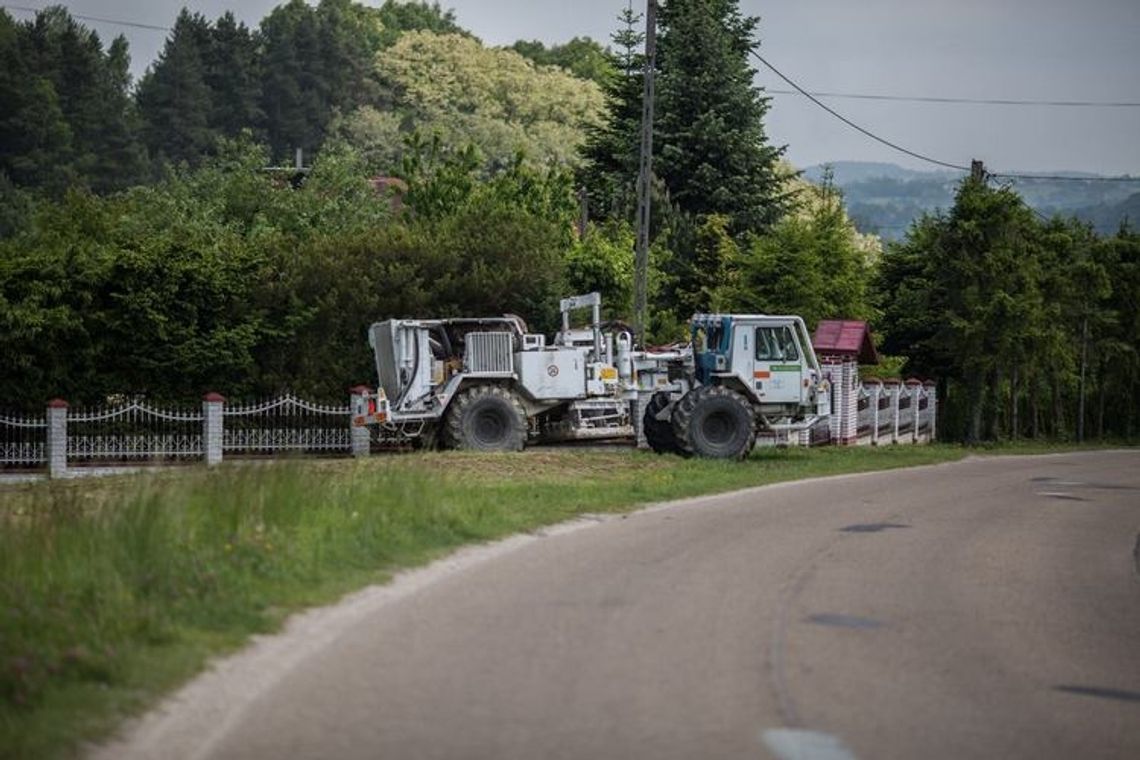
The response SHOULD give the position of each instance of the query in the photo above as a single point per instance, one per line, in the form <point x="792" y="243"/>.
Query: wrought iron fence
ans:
<point x="23" y="441"/>
<point x="134" y="432"/>
<point x="287" y="424"/>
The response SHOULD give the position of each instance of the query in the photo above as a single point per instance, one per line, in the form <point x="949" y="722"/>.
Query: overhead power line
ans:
<point x="853" y="125"/>
<point x="894" y="146"/>
<point x="1063" y="178"/>
<point x="971" y="101"/>
<point x="100" y="19"/>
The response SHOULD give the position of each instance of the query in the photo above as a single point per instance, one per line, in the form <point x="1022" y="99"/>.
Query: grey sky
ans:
<point x="1018" y="49"/>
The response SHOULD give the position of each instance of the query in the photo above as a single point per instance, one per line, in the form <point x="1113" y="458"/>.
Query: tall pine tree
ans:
<point x="173" y="97"/>
<point x="610" y="155"/>
<point x="233" y="74"/>
<point x="65" y="106"/>
<point x="712" y="150"/>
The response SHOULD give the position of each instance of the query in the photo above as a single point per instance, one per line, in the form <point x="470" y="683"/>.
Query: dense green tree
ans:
<point x="455" y="89"/>
<point x="92" y="88"/>
<point x="35" y="139"/>
<point x="65" y="113"/>
<point x="581" y="56"/>
<point x="316" y="62"/>
<point x="1025" y="324"/>
<point x="233" y="74"/>
<point x="174" y="98"/>
<point x="611" y="152"/>
<point x="411" y="16"/>
<point x="711" y="148"/>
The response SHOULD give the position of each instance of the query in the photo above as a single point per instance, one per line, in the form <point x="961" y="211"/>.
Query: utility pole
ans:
<point x="644" y="179"/>
<point x="977" y="171"/>
<point x="583" y="212"/>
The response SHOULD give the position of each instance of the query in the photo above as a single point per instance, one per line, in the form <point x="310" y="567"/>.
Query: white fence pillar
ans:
<point x="832" y="369"/>
<point x="851" y="387"/>
<point x="361" y="436"/>
<point x="57" y="438"/>
<point x="932" y="406"/>
<point x="875" y="389"/>
<point x="213" y="427"/>
<point x="914" y="391"/>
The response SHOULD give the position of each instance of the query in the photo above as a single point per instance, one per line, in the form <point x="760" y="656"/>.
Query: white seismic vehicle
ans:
<point x="489" y="384"/>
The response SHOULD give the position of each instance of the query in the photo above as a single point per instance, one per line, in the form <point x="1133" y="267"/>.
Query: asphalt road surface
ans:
<point x="983" y="609"/>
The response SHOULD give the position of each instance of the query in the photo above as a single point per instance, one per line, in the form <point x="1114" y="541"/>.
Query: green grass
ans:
<point x="115" y="591"/>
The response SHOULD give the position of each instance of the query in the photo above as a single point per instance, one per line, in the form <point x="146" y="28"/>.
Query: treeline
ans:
<point x="1031" y="326"/>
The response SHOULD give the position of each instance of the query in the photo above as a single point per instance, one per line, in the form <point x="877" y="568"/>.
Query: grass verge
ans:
<point x="115" y="591"/>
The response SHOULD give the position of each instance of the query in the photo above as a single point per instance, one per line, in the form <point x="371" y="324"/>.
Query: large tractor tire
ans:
<point x="658" y="433"/>
<point x="485" y="418"/>
<point x="715" y="423"/>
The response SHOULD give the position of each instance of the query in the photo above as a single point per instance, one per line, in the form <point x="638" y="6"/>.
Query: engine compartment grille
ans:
<point x="489" y="352"/>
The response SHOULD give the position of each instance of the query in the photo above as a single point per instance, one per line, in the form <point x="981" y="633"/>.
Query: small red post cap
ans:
<point x="360" y="390"/>
<point x="57" y="403"/>
<point x="214" y="398"/>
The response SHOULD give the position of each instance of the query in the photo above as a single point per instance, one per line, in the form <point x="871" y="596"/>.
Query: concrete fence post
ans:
<point x="932" y="405"/>
<point x="361" y="436"/>
<point x="891" y="388"/>
<point x="57" y="438"/>
<point x="876" y="390"/>
<point x="213" y="427"/>
<point x="914" y="390"/>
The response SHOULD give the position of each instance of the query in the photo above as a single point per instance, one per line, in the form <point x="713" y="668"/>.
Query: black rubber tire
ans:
<point x="715" y="423"/>
<point x="659" y="433"/>
<point x="485" y="418"/>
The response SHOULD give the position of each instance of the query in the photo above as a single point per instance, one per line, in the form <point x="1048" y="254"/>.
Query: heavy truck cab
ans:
<point x="749" y="373"/>
<point x="768" y="358"/>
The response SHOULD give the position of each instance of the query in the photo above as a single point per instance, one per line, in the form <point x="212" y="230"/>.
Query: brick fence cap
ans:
<point x="930" y="384"/>
<point x="214" y="398"/>
<point x="360" y="390"/>
<point x="891" y="381"/>
<point x="913" y="381"/>
<point x="58" y="403"/>
<point x="872" y="379"/>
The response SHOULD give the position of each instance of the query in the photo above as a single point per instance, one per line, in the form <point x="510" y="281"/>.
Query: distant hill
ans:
<point x="1108" y="217"/>
<point x="884" y="198"/>
<point x="849" y="172"/>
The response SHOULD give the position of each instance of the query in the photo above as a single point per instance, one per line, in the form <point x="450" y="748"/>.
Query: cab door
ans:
<point x="778" y="368"/>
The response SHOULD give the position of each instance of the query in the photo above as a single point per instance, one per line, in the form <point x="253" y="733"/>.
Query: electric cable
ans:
<point x="970" y="101"/>
<point x="895" y="146"/>
<point x="853" y="125"/>
<point x="117" y="22"/>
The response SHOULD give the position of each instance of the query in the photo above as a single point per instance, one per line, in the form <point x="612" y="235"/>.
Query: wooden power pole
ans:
<point x="644" y="178"/>
<point x="978" y="171"/>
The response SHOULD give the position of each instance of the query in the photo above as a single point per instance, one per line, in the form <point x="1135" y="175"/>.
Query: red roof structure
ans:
<point x="845" y="337"/>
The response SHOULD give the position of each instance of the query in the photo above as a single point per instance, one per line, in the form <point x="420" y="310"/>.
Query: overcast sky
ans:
<point x="1010" y="49"/>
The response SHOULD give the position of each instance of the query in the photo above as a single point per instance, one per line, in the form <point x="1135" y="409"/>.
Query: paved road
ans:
<point x="984" y="609"/>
